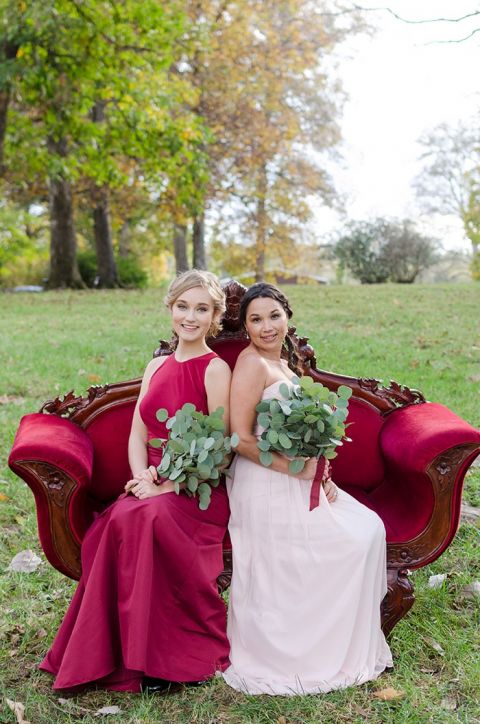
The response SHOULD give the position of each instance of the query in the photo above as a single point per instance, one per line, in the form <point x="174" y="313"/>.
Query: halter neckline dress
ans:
<point x="147" y="603"/>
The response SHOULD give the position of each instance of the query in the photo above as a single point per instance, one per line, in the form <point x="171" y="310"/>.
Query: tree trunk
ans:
<point x="261" y="226"/>
<point x="199" y="260"/>
<point x="180" y="247"/>
<point x="106" y="267"/>
<point x="63" y="243"/>
<point x="8" y="51"/>
<point x="124" y="240"/>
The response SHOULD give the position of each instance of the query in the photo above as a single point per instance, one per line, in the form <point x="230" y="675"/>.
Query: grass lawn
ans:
<point x="427" y="337"/>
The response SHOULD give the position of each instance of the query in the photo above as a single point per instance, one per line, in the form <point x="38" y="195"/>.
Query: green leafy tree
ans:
<point x="93" y="97"/>
<point x="382" y="250"/>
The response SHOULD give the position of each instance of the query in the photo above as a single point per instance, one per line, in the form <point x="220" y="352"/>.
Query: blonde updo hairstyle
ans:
<point x="208" y="281"/>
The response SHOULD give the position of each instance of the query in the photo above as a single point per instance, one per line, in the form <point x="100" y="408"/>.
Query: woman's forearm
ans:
<point x="137" y="454"/>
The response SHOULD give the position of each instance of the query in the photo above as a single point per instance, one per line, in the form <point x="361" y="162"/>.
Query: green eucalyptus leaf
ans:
<point x="162" y="414"/>
<point x="189" y="408"/>
<point x="272" y="436"/>
<point x="234" y="439"/>
<point x="192" y="483"/>
<point x="263" y="420"/>
<point x="266" y="458"/>
<point x="263" y="445"/>
<point x="209" y="443"/>
<point x="202" y="456"/>
<point x="204" y="471"/>
<point x="156" y="442"/>
<point x="284" y="441"/>
<point x="296" y="465"/>
<point x="344" y="392"/>
<point x="284" y="390"/>
<point x="166" y="460"/>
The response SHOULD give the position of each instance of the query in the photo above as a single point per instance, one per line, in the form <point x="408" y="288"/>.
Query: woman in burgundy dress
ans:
<point x="147" y="611"/>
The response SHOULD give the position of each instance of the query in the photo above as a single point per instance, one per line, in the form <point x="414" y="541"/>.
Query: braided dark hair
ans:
<point x="263" y="289"/>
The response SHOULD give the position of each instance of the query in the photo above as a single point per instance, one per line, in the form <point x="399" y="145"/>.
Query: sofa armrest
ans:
<point x="55" y="458"/>
<point x="412" y="437"/>
<point x="427" y="451"/>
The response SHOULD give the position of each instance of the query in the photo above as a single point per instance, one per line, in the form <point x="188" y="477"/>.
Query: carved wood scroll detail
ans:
<point x="56" y="487"/>
<point x="430" y="543"/>
<point x="398" y="600"/>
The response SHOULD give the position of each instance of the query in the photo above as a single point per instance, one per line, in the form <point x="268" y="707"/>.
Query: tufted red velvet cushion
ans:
<point x="359" y="463"/>
<point x="109" y="432"/>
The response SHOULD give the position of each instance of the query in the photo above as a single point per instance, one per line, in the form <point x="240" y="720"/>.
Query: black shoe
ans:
<point x="150" y="685"/>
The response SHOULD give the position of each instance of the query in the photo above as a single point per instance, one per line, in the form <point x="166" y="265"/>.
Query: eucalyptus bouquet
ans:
<point x="308" y="421"/>
<point x="195" y="451"/>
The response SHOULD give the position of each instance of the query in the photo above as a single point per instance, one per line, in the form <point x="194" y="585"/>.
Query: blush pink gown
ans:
<point x="304" y="612"/>
<point x="147" y="602"/>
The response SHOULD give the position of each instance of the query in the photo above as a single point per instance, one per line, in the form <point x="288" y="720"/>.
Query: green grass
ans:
<point x="425" y="336"/>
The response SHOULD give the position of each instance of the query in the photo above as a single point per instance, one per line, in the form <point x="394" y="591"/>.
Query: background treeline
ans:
<point x="129" y="130"/>
<point x="121" y="122"/>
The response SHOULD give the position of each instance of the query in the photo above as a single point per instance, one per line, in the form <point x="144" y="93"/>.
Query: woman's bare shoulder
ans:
<point x="217" y="366"/>
<point x="251" y="363"/>
<point x="153" y="366"/>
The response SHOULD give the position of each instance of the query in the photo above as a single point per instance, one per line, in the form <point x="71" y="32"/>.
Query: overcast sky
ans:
<point x="402" y="82"/>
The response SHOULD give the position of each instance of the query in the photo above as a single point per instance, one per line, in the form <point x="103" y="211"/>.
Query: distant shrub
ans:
<point x="130" y="273"/>
<point x="87" y="264"/>
<point x="381" y="250"/>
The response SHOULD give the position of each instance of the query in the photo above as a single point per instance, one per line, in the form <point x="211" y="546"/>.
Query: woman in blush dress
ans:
<point x="147" y="611"/>
<point x="304" y="613"/>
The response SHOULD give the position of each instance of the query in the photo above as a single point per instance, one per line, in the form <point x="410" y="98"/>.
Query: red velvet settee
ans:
<point x="407" y="461"/>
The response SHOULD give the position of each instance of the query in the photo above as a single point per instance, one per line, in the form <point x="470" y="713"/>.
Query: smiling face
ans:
<point x="192" y="314"/>
<point x="266" y="323"/>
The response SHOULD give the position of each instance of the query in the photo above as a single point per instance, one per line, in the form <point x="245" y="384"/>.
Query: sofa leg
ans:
<point x="225" y="578"/>
<point x="399" y="598"/>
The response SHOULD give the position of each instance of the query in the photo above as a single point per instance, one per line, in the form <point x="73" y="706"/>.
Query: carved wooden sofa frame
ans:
<point x="422" y="449"/>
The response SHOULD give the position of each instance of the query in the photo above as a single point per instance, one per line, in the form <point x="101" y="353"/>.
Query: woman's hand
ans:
<point x="143" y="484"/>
<point x="309" y="470"/>
<point x="149" y="475"/>
<point x="331" y="490"/>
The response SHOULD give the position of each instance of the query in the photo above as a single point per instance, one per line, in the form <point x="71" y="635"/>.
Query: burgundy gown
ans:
<point x="147" y="602"/>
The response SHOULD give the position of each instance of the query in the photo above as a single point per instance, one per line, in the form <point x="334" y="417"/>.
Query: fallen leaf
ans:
<point x="414" y="363"/>
<point x="437" y="581"/>
<point x="474" y="378"/>
<point x="18" y="709"/>
<point x="105" y="710"/>
<point x="3" y="497"/>
<point x="93" y="378"/>
<point x="25" y="562"/>
<point x="41" y="633"/>
<point x="281" y="720"/>
<point x="388" y="694"/>
<point x="472" y="590"/>
<point x="434" y="645"/>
